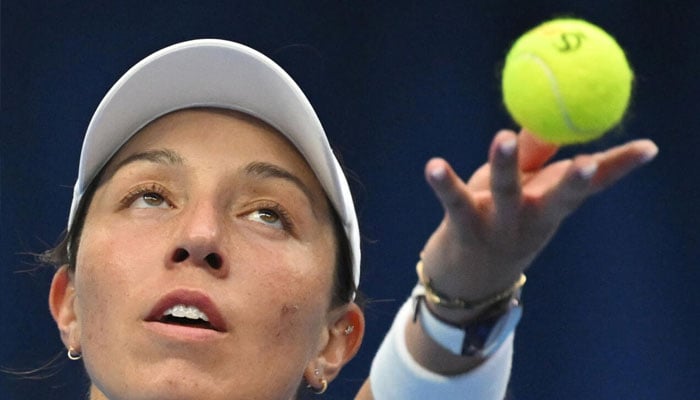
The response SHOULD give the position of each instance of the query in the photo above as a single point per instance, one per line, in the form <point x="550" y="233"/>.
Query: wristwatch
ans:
<point x="480" y="338"/>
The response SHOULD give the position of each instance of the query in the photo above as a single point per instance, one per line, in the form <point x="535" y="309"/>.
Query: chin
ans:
<point x="182" y="386"/>
<point x="168" y="389"/>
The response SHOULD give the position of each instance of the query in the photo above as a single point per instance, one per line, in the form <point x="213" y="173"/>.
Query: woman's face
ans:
<point x="204" y="215"/>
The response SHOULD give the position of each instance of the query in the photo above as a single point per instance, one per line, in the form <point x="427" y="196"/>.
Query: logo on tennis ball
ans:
<point x="570" y="41"/>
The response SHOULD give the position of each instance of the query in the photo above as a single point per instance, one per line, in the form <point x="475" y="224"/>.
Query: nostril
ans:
<point x="214" y="260"/>
<point x="180" y="255"/>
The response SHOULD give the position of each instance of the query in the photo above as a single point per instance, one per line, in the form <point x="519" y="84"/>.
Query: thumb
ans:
<point x="533" y="152"/>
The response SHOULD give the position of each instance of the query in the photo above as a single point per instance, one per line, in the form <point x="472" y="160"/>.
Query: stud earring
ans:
<point x="349" y="330"/>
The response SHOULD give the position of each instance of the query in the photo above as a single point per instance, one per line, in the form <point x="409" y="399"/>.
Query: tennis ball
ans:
<point x="566" y="81"/>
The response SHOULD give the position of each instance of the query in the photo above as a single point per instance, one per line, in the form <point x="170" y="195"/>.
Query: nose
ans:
<point x="213" y="259"/>
<point x="199" y="240"/>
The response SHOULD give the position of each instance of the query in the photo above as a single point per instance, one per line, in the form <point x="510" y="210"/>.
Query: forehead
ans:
<point x="226" y="134"/>
<point x="189" y="127"/>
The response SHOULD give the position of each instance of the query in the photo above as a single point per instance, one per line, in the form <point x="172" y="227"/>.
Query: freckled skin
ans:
<point x="273" y="288"/>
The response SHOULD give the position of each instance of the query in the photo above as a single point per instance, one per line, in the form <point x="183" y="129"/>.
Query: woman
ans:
<point x="213" y="248"/>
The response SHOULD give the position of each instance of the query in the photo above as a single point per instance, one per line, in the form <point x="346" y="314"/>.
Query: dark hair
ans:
<point x="65" y="251"/>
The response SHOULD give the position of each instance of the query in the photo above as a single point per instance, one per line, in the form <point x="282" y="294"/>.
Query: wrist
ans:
<point x="460" y="310"/>
<point x="476" y="338"/>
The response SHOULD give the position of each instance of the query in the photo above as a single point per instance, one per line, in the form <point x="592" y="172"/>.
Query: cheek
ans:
<point x="294" y="305"/>
<point x="292" y="328"/>
<point x="96" y="291"/>
<point x="295" y="298"/>
<point x="106" y="279"/>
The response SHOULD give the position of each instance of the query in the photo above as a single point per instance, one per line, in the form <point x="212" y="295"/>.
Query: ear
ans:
<point x="345" y="330"/>
<point x="62" y="306"/>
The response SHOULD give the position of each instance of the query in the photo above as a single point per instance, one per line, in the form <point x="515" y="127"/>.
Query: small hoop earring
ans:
<point x="73" y="355"/>
<point x="324" y="387"/>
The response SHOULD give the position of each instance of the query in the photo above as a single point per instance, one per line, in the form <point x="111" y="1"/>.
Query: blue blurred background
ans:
<point x="611" y="304"/>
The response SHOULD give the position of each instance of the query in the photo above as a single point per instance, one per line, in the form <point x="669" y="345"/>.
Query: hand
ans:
<point x="496" y="223"/>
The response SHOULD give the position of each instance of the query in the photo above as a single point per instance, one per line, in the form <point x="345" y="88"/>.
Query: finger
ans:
<point x="621" y="160"/>
<point x="505" y="176"/>
<point x="450" y="190"/>
<point x="533" y="153"/>
<point x="573" y="189"/>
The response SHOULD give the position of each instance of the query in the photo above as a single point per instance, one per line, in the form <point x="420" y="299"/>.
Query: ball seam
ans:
<point x="557" y="94"/>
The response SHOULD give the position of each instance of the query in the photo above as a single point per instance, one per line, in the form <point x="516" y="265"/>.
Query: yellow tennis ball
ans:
<point x="567" y="81"/>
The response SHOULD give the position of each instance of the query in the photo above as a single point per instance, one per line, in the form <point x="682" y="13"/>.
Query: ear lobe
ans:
<point x="61" y="304"/>
<point x="344" y="339"/>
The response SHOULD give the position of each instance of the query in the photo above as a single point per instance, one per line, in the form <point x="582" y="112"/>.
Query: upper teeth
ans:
<point x="183" y="311"/>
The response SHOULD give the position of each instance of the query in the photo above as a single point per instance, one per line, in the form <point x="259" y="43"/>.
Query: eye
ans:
<point x="150" y="200"/>
<point x="147" y="196"/>
<point x="272" y="214"/>
<point x="268" y="217"/>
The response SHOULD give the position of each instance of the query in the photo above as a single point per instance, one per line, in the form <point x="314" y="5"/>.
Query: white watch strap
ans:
<point x="452" y="337"/>
<point x="447" y="336"/>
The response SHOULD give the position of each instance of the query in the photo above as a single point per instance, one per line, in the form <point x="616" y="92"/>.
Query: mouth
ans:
<point x="186" y="315"/>
<point x="187" y="309"/>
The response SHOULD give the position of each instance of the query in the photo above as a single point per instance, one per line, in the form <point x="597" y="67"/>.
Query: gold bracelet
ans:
<point x="440" y="299"/>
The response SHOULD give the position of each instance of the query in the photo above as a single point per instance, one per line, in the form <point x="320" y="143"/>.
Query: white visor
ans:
<point x="222" y="74"/>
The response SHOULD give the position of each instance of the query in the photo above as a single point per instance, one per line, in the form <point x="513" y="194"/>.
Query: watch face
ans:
<point x="475" y="337"/>
<point x="504" y="326"/>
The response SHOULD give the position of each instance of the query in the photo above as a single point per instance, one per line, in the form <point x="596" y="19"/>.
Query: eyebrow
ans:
<point x="161" y="156"/>
<point x="267" y="170"/>
<point x="257" y="169"/>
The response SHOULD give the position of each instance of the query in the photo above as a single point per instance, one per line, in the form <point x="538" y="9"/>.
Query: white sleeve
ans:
<point x="396" y="375"/>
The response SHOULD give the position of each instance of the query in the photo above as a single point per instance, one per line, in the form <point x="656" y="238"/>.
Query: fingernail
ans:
<point x="588" y="171"/>
<point x="650" y="154"/>
<point x="507" y="148"/>
<point x="438" y="173"/>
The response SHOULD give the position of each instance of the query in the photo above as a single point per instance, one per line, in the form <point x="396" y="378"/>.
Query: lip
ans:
<point x="191" y="298"/>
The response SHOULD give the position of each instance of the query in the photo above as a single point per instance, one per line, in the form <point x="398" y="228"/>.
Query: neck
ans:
<point x="95" y="394"/>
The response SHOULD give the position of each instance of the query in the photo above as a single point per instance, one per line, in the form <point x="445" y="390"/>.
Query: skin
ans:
<point x="500" y="219"/>
<point x="271" y="284"/>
